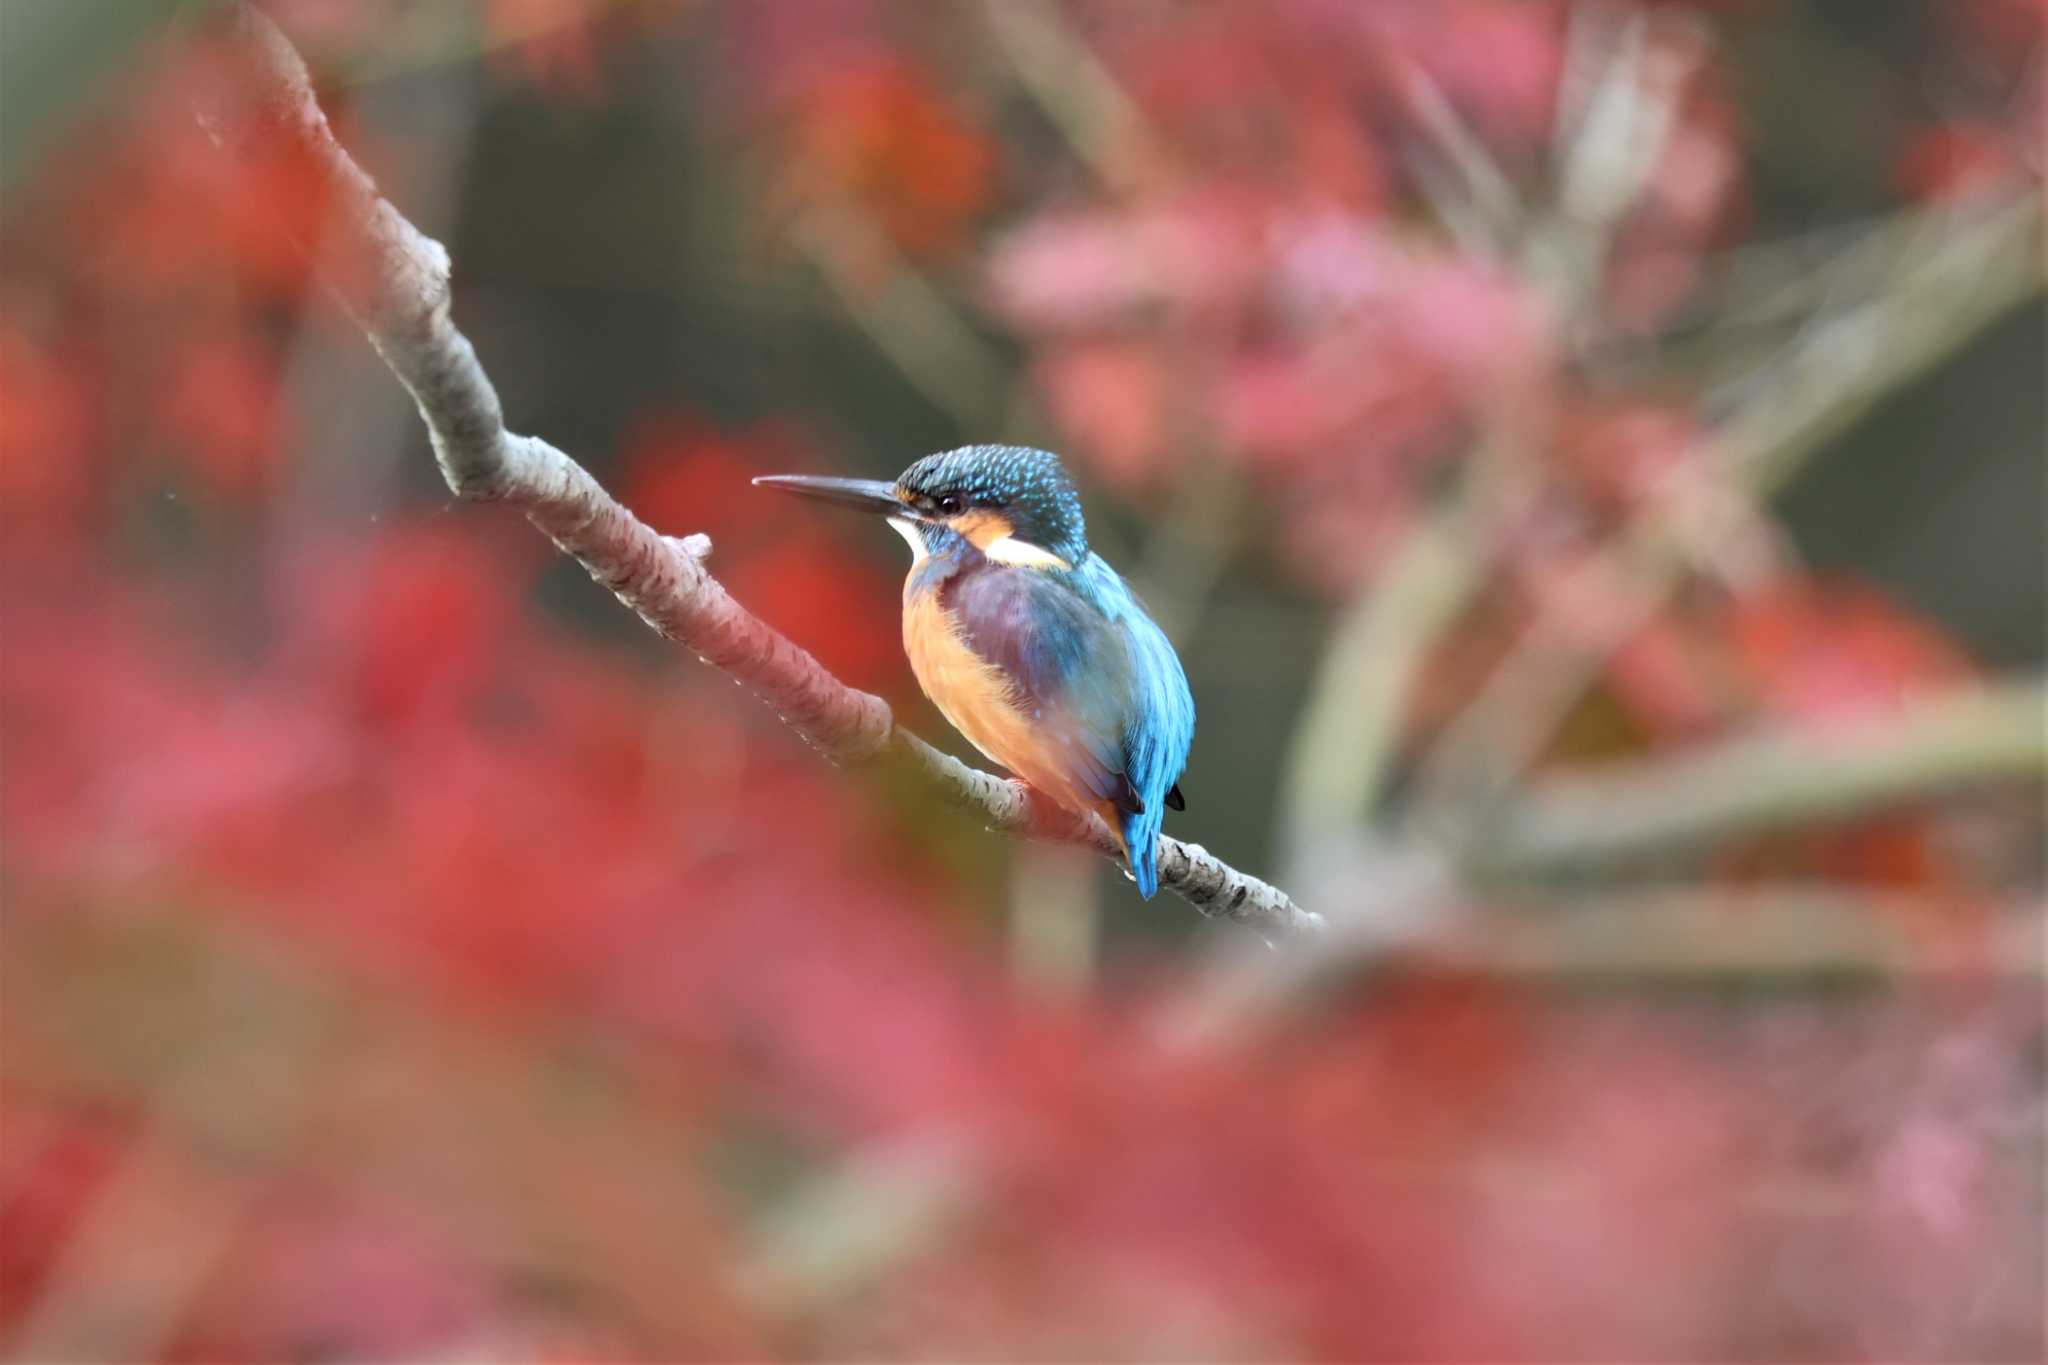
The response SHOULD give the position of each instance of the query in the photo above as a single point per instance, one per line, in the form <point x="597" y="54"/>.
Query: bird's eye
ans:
<point x="950" y="504"/>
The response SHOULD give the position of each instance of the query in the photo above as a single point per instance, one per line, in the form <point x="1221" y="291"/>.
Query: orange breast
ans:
<point x="977" y="699"/>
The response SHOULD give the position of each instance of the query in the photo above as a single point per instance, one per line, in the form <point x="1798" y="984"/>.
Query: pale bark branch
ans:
<point x="1778" y="778"/>
<point x="395" y="280"/>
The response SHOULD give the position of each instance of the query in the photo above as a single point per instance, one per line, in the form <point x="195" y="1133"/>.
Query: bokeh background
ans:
<point x="1589" y="455"/>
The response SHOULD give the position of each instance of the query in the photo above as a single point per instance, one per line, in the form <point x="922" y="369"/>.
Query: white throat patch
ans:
<point x="1010" y="550"/>
<point x="907" y="528"/>
<point x="1003" y="549"/>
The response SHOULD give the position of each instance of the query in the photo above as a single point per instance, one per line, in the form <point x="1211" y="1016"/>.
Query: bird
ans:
<point x="1027" y="641"/>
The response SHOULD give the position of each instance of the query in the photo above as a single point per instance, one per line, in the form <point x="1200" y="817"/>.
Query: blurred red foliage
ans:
<point x="1828" y="653"/>
<point x="220" y="410"/>
<point x="1955" y="160"/>
<point x="788" y="565"/>
<point x="48" y="437"/>
<point x="172" y="217"/>
<point x="54" y="1158"/>
<point x="601" y="970"/>
<point x="879" y="137"/>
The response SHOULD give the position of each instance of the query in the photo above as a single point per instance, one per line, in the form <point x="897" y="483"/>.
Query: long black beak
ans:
<point x="866" y="495"/>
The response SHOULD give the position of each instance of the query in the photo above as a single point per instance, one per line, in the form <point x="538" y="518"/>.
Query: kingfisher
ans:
<point x="1028" y="642"/>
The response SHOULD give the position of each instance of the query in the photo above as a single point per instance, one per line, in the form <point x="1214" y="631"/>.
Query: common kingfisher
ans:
<point x="1027" y="642"/>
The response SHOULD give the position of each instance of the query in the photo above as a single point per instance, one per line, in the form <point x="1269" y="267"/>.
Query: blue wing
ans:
<point x="1159" y="725"/>
<point x="1089" y="665"/>
<point x="1067" y="666"/>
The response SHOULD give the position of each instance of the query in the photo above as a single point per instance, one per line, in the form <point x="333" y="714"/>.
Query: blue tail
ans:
<point x="1152" y="710"/>
<point x="1141" y="838"/>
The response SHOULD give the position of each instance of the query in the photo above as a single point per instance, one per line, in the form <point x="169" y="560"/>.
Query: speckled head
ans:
<point x="1013" y="502"/>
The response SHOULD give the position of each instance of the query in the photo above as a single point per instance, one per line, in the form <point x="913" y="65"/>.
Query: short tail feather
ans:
<point x="1141" y="848"/>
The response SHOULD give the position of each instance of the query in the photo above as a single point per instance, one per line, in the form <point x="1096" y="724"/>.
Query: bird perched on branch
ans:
<point x="1027" y="641"/>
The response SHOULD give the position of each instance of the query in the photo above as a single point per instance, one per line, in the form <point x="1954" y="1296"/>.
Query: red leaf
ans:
<point x="1111" y="396"/>
<point x="1829" y="651"/>
<point x="1954" y="161"/>
<point x="48" y="437"/>
<point x="879" y="134"/>
<point x="221" y="406"/>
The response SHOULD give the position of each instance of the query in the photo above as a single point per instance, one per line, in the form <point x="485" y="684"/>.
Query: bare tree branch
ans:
<point x="395" y="279"/>
<point x="1975" y="270"/>
<point x="1769" y="780"/>
<point x="1348" y="735"/>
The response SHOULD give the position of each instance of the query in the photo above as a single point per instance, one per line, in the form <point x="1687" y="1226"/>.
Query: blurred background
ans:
<point x="1589" y="455"/>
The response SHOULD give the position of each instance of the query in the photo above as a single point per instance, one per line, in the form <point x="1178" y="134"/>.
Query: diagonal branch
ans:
<point x="1777" y="777"/>
<point x="395" y="280"/>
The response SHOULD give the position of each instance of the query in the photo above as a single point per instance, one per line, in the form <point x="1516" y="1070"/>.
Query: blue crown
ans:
<point x="1029" y="487"/>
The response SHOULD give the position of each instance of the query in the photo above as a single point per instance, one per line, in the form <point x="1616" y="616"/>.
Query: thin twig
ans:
<point x="1975" y="268"/>
<point x="1467" y="190"/>
<point x="397" y="286"/>
<point x="1621" y="121"/>
<point x="1076" y="89"/>
<point x="1831" y="377"/>
<point x="905" y="314"/>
